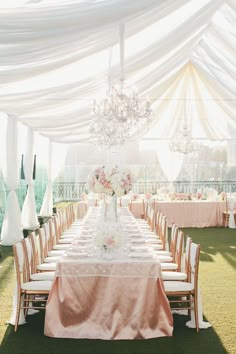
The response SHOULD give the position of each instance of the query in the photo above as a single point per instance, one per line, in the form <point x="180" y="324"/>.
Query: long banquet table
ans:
<point x="202" y="213"/>
<point x="122" y="298"/>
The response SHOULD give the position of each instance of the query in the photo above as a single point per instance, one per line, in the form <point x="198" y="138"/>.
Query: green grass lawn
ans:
<point x="218" y="285"/>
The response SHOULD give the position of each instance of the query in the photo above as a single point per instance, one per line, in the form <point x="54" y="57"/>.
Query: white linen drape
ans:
<point x="47" y="205"/>
<point x="11" y="228"/>
<point x="29" y="216"/>
<point x="170" y="162"/>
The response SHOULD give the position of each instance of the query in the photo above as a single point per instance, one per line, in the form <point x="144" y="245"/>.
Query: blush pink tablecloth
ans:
<point x="107" y="307"/>
<point x="137" y="208"/>
<point x="192" y="213"/>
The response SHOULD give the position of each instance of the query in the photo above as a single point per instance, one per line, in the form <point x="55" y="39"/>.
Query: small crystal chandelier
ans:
<point x="184" y="143"/>
<point x="121" y="112"/>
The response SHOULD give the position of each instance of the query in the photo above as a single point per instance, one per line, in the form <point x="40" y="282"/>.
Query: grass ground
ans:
<point x="218" y="285"/>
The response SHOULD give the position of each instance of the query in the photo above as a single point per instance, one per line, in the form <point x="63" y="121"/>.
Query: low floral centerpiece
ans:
<point x="109" y="238"/>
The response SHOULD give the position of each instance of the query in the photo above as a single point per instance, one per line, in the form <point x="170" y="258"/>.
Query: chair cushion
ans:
<point x="164" y="259"/>
<point x="174" y="286"/>
<point x="70" y="235"/>
<point x="169" y="266"/>
<point x="43" y="276"/>
<point x="174" y="275"/>
<point x="37" y="285"/>
<point x="163" y="253"/>
<point x="47" y="266"/>
<point x="56" y="253"/>
<point x="61" y="247"/>
<point x="66" y="240"/>
<point x="52" y="259"/>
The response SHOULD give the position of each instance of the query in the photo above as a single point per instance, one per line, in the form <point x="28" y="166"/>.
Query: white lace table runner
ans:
<point x="131" y="269"/>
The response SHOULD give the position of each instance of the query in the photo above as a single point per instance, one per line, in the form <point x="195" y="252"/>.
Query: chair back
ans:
<point x="57" y="226"/>
<point x="158" y="222"/>
<point x="43" y="240"/>
<point x="185" y="264"/>
<point x="36" y="251"/>
<point x="173" y="236"/>
<point x="163" y="234"/>
<point x="22" y="273"/>
<point x="194" y="264"/>
<point x="179" y="249"/>
<point x="53" y="235"/>
<point x="63" y="220"/>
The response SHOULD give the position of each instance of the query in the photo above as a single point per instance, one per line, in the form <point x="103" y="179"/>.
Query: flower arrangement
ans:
<point x="110" y="181"/>
<point x="84" y="197"/>
<point x="109" y="236"/>
<point x="148" y="196"/>
<point x="223" y="196"/>
<point x="179" y="196"/>
<point x="135" y="196"/>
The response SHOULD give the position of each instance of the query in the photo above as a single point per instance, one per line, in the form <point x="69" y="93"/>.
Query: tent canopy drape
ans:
<point x="54" y="62"/>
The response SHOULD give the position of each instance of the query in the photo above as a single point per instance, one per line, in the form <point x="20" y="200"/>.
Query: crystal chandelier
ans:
<point x="121" y="112"/>
<point x="184" y="143"/>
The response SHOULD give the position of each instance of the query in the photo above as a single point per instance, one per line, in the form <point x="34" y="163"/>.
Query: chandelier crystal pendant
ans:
<point x="121" y="112"/>
<point x="184" y="143"/>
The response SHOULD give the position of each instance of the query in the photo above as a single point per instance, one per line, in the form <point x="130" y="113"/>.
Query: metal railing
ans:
<point x="73" y="190"/>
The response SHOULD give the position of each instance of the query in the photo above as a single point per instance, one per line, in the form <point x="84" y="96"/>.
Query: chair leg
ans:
<point x="196" y="313"/>
<point x="18" y="311"/>
<point x="27" y="300"/>
<point x="190" y="305"/>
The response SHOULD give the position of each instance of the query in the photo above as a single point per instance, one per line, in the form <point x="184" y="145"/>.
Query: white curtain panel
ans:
<point x="11" y="228"/>
<point x="47" y="205"/>
<point x="29" y="216"/>
<point x="170" y="162"/>
<point x="231" y="153"/>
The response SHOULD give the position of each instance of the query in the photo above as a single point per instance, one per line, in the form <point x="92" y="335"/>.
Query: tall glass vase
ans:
<point x="111" y="208"/>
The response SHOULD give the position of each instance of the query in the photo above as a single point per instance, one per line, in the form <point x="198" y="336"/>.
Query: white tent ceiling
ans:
<point x="54" y="61"/>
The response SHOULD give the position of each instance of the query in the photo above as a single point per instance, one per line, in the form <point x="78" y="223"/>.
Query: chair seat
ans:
<point x="61" y="247"/>
<point x="163" y="253"/>
<point x="47" y="266"/>
<point x="175" y="286"/>
<point x="169" y="266"/>
<point x="174" y="276"/>
<point x="53" y="259"/>
<point x="65" y="241"/>
<point x="164" y="258"/>
<point x="43" y="276"/>
<point x="56" y="253"/>
<point x="37" y="285"/>
<point x="149" y="233"/>
<point x="66" y="236"/>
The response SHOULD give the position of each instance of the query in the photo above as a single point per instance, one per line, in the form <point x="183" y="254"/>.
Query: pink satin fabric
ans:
<point x="137" y="209"/>
<point x="108" y="308"/>
<point x="192" y="213"/>
<point x="82" y="208"/>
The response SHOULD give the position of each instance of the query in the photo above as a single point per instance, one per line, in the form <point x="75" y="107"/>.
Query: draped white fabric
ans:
<point x="11" y="228"/>
<point x="170" y="162"/>
<point x="47" y="205"/>
<point x="29" y="216"/>
<point x="54" y="62"/>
